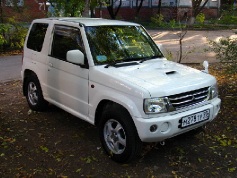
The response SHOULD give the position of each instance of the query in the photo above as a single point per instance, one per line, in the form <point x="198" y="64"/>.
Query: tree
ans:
<point x="197" y="8"/>
<point x="92" y="5"/>
<point x="86" y="10"/>
<point x="159" y="7"/>
<point x="226" y="52"/>
<point x="110" y="7"/>
<point x="1" y="12"/>
<point x="138" y="7"/>
<point x="68" y="8"/>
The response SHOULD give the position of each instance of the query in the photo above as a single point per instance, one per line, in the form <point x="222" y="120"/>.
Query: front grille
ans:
<point x="190" y="98"/>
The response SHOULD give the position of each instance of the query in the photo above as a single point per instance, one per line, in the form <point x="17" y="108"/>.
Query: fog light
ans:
<point x="164" y="127"/>
<point x="153" y="128"/>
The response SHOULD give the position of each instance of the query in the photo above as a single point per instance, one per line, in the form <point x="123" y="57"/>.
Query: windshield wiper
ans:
<point x="120" y="63"/>
<point x="148" y="58"/>
<point x="111" y="64"/>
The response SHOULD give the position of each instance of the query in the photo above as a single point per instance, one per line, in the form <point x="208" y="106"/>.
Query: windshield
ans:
<point x="112" y="44"/>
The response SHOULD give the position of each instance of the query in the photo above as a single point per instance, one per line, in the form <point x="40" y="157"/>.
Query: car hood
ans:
<point x="158" y="77"/>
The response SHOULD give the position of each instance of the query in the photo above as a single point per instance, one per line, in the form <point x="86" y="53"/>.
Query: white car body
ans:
<point x="80" y="91"/>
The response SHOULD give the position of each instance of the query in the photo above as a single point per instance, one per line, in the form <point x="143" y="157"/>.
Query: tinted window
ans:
<point x="36" y="36"/>
<point x="65" y="39"/>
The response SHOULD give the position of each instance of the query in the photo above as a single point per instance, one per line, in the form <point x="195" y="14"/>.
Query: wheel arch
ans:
<point x="27" y="74"/>
<point x="102" y="106"/>
<point x="133" y="145"/>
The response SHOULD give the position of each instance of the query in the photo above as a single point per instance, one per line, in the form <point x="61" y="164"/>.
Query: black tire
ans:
<point x="34" y="94"/>
<point x="118" y="134"/>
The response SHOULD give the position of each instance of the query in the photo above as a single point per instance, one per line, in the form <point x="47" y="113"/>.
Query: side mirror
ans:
<point x="205" y="65"/>
<point x="75" y="57"/>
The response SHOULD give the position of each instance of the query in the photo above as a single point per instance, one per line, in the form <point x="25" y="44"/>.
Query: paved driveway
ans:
<point x="10" y="68"/>
<point x="195" y="43"/>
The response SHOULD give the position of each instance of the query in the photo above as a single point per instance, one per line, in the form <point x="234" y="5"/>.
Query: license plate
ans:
<point x="194" y="119"/>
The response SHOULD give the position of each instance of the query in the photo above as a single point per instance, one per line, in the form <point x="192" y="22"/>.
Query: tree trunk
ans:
<point x="1" y="12"/>
<point x="191" y="20"/>
<point x="196" y="9"/>
<point x="159" y="7"/>
<point x="138" y="8"/>
<point x="86" y="9"/>
<point x="110" y="9"/>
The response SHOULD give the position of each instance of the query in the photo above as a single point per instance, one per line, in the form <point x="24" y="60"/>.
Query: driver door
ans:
<point x="67" y="83"/>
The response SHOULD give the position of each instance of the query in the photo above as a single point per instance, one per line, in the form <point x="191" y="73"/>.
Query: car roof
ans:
<point x="88" y="21"/>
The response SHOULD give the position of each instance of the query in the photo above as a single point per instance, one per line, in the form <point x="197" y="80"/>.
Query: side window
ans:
<point x="65" y="39"/>
<point x="36" y="36"/>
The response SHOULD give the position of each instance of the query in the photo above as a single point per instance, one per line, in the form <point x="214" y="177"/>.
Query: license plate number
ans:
<point x="194" y="118"/>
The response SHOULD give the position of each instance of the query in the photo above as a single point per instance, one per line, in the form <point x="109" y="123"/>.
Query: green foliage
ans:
<point x="4" y="28"/>
<point x="1" y="40"/>
<point x="172" y="24"/>
<point x="228" y="19"/>
<point x="65" y="8"/>
<point x="200" y="18"/>
<point x="228" y="16"/>
<point x="225" y="50"/>
<point x="12" y="35"/>
<point x="157" y="20"/>
<point x="168" y="54"/>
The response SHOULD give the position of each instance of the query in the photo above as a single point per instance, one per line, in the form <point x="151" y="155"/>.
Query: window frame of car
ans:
<point x="56" y="28"/>
<point x="31" y="41"/>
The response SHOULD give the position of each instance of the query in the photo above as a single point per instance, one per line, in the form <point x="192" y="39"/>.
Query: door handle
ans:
<point x="50" y="64"/>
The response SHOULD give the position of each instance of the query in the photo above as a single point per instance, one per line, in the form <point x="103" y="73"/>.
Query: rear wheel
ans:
<point x="34" y="94"/>
<point x="118" y="134"/>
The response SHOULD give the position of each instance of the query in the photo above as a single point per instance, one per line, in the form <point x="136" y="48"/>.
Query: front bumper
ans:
<point x="164" y="127"/>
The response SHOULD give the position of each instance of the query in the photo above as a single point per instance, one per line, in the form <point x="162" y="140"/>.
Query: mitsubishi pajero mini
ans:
<point x="112" y="74"/>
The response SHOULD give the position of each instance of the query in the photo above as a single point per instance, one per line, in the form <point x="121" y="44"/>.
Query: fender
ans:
<point x="134" y="105"/>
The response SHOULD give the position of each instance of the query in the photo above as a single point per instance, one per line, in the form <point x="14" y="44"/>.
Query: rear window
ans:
<point x="36" y="36"/>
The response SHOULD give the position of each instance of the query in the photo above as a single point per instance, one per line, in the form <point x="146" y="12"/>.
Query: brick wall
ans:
<point x="145" y="14"/>
<point x="28" y="12"/>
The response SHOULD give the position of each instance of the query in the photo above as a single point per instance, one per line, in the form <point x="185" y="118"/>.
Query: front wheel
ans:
<point x="34" y="94"/>
<point x="118" y="134"/>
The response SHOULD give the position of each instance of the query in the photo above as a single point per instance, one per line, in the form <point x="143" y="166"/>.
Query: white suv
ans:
<point x="112" y="74"/>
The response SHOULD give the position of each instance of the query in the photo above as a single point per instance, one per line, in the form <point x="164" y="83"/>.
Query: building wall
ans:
<point x="170" y="9"/>
<point x="30" y="10"/>
<point x="146" y="13"/>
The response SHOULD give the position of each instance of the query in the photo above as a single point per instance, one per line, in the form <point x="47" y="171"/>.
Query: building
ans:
<point x="23" y="10"/>
<point x="170" y="9"/>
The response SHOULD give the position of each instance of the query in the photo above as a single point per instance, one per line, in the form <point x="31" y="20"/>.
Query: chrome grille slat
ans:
<point x="201" y="97"/>
<point x="187" y="99"/>
<point x="200" y="93"/>
<point x="182" y="97"/>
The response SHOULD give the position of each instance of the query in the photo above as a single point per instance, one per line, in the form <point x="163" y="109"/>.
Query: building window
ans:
<point x="11" y="3"/>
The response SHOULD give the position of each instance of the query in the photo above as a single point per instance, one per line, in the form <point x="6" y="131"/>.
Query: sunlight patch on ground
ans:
<point x="220" y="37"/>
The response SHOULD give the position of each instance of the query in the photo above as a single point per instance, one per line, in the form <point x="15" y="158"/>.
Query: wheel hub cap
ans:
<point x="115" y="137"/>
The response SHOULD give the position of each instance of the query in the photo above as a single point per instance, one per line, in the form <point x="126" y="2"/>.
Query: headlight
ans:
<point x="212" y="92"/>
<point x="155" y="105"/>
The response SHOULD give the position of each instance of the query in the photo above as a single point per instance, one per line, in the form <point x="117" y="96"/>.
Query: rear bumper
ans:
<point x="164" y="127"/>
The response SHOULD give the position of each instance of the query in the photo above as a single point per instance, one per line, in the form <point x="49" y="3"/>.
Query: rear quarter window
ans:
<point x="36" y="36"/>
